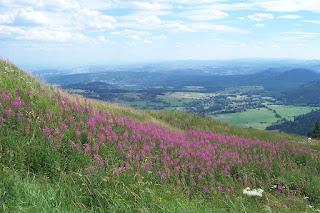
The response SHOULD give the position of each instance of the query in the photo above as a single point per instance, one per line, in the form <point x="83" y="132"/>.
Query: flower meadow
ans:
<point x="193" y="158"/>
<point x="100" y="159"/>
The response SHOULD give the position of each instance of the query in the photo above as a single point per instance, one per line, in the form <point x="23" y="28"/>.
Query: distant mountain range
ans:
<point x="273" y="81"/>
<point x="213" y="67"/>
<point x="306" y="94"/>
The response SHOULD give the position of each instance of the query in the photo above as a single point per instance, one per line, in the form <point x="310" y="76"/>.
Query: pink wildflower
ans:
<point x="92" y="123"/>
<point x="206" y="189"/>
<point x="98" y="160"/>
<point x="47" y="131"/>
<point x="87" y="149"/>
<point x="78" y="133"/>
<point x="5" y="97"/>
<point x="17" y="91"/>
<point x="101" y="138"/>
<point x="9" y="112"/>
<point x="17" y="102"/>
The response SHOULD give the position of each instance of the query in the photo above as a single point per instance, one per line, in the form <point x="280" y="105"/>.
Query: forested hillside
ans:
<point x="302" y="125"/>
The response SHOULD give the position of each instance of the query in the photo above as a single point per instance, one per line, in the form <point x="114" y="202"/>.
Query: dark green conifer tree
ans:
<point x="316" y="131"/>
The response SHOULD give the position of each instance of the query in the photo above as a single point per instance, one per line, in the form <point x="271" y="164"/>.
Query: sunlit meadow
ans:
<point x="77" y="154"/>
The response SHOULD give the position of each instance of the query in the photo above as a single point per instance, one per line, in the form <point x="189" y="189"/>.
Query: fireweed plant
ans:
<point x="194" y="161"/>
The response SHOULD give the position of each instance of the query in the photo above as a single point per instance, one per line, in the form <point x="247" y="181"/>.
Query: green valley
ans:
<point x="261" y="118"/>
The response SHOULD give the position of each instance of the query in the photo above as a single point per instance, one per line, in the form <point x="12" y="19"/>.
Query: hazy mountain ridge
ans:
<point x="270" y="79"/>
<point x="305" y="94"/>
<point x="218" y="67"/>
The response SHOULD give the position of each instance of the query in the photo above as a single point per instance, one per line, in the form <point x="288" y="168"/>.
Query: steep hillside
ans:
<point x="274" y="81"/>
<point x="307" y="94"/>
<point x="64" y="153"/>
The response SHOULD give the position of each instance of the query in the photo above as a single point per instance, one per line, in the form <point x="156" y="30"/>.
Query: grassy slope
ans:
<point x="36" y="177"/>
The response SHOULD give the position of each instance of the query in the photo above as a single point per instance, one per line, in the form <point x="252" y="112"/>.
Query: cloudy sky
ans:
<point x="71" y="32"/>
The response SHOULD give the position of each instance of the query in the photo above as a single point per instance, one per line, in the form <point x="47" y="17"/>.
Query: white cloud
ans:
<point x="131" y="34"/>
<point x="259" y="25"/>
<point x="8" y="31"/>
<point x="24" y="17"/>
<point x="6" y="18"/>
<point x="291" y="5"/>
<point x="142" y="20"/>
<point x="304" y="35"/>
<point x="49" y="4"/>
<point x="92" y="19"/>
<point x="146" y="41"/>
<point x="289" y="16"/>
<point x="215" y="27"/>
<point x="178" y="27"/>
<point x="187" y="2"/>
<point x="261" y="16"/>
<point x="312" y="21"/>
<point x="201" y="27"/>
<point x="149" y="20"/>
<point x="29" y="17"/>
<point x="85" y="17"/>
<point x="72" y="19"/>
<point x="103" y="39"/>
<point x="160" y="37"/>
<point x="38" y="34"/>
<point x="150" y="6"/>
<point x="204" y="14"/>
<point x="135" y="37"/>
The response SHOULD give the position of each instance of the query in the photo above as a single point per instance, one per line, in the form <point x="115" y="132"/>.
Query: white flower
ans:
<point x="253" y="193"/>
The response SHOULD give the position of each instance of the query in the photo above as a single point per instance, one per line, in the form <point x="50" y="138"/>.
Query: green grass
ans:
<point x="141" y="104"/>
<point x="263" y="117"/>
<point x="36" y="177"/>
<point x="290" y="112"/>
<point x="254" y="118"/>
<point x="185" y="121"/>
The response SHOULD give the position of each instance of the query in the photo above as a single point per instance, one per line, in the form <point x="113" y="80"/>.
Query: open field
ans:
<point x="187" y="95"/>
<point x="289" y="112"/>
<point x="263" y="117"/>
<point x="254" y="118"/>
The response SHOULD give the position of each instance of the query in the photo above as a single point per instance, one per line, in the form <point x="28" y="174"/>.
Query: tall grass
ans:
<point x="64" y="153"/>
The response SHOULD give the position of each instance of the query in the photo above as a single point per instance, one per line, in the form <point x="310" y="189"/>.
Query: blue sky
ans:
<point x="69" y="32"/>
